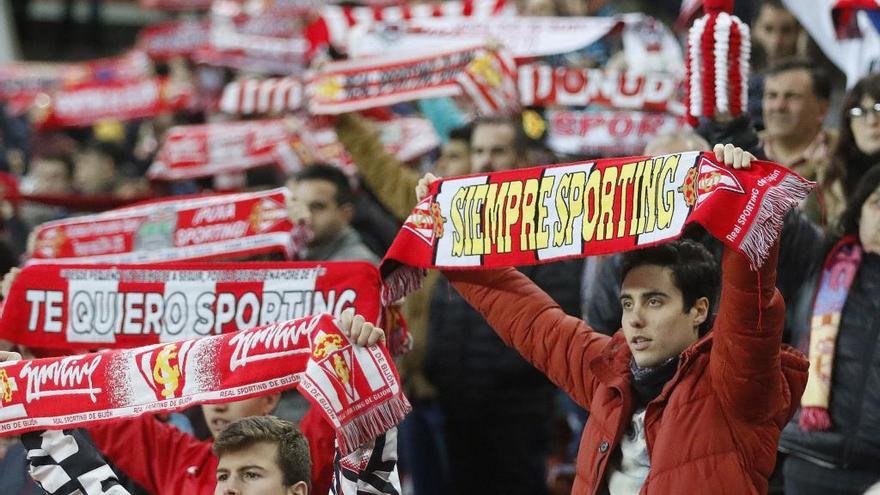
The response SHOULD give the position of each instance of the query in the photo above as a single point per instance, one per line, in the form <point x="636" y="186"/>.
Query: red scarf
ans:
<point x="487" y="76"/>
<point x="544" y="214"/>
<point x="193" y="228"/>
<point x="357" y="388"/>
<point x="193" y="151"/>
<point x="123" y="306"/>
<point x="88" y="103"/>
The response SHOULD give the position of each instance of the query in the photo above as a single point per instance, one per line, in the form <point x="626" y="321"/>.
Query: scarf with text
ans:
<point x="165" y="40"/>
<point x="487" y="76"/>
<point x="357" y="388"/>
<point x="544" y="214"/>
<point x="838" y="274"/>
<point x="193" y="228"/>
<point x="122" y="306"/>
<point x="607" y="132"/>
<point x="193" y="151"/>
<point x="88" y="103"/>
<point x="544" y="85"/>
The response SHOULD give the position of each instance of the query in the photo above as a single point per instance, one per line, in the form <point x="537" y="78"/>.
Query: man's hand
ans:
<point x="423" y="185"/>
<point x="6" y="284"/>
<point x="9" y="356"/>
<point x="358" y="330"/>
<point x="733" y="157"/>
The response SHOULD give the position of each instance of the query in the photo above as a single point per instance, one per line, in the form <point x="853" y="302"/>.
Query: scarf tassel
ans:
<point x="814" y="418"/>
<point x="401" y="281"/>
<point x="776" y="202"/>
<point x="369" y="425"/>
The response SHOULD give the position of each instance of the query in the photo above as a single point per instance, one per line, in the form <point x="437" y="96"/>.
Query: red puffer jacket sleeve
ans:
<point x="745" y="363"/>
<point x="156" y="455"/>
<point x="322" y="447"/>
<point x="526" y="318"/>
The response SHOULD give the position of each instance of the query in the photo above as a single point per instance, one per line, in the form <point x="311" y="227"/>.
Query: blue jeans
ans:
<point x="423" y="449"/>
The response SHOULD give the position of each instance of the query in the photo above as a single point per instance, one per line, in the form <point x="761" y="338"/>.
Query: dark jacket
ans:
<point x="854" y="438"/>
<point x="799" y="245"/>
<point x="713" y="428"/>
<point x="472" y="369"/>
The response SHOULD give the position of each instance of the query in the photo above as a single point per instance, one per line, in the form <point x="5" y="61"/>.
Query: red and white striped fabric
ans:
<point x="844" y="13"/>
<point x="490" y="81"/>
<point x="689" y="11"/>
<point x="253" y="96"/>
<point x="719" y="49"/>
<point x="335" y="22"/>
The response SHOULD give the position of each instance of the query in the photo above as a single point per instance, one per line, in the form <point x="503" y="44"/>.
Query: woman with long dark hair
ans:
<point x="858" y="145"/>
<point x="834" y="441"/>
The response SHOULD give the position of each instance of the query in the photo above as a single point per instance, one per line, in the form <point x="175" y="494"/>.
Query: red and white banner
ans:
<point x="543" y="85"/>
<point x="124" y="306"/>
<point x="176" y="5"/>
<point x="205" y="150"/>
<point x="222" y="226"/>
<point x="261" y="96"/>
<point x="408" y="137"/>
<point x="336" y="23"/>
<point x="607" y="133"/>
<point x="173" y="39"/>
<point x="487" y="77"/>
<point x="85" y="104"/>
<point x="523" y="37"/>
<point x="357" y="388"/>
<point x="24" y="80"/>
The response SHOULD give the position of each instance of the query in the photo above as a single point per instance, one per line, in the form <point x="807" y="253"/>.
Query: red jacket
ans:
<point x="167" y="461"/>
<point x="714" y="428"/>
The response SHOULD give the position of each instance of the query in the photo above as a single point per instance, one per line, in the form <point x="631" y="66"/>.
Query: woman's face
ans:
<point x="869" y="223"/>
<point x="865" y="125"/>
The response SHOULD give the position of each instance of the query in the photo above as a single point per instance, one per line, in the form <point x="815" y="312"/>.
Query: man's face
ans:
<point x="655" y="326"/>
<point x="93" y="173"/>
<point x="50" y="176"/>
<point x="869" y="223"/>
<point x="455" y="159"/>
<point x="776" y="30"/>
<point x="219" y="416"/>
<point x="492" y="148"/>
<point x="254" y="470"/>
<point x="326" y="217"/>
<point x="791" y="108"/>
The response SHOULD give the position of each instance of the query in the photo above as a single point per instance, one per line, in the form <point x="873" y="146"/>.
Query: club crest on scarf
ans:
<point x="8" y="386"/>
<point x="49" y="244"/>
<point x="163" y="368"/>
<point x="706" y="178"/>
<point x="266" y="213"/>
<point x="334" y="355"/>
<point x="426" y="221"/>
<point x="10" y="408"/>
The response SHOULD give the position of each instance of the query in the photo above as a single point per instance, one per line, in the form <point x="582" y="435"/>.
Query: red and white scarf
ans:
<point x="485" y="75"/>
<point x="169" y="39"/>
<point x="122" y="306"/>
<point x="261" y="96"/>
<point x="205" y="150"/>
<point x="544" y="214"/>
<point x="176" y="5"/>
<point x="356" y="388"/>
<point x="543" y="85"/>
<point x="88" y="103"/>
<point x="335" y="23"/>
<point x="199" y="228"/>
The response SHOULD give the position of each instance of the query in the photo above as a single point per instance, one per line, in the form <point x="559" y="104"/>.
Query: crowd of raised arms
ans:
<point x="610" y="247"/>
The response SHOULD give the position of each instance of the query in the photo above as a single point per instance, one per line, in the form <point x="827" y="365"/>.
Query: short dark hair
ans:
<point x="774" y="4"/>
<point x="521" y="141"/>
<point x="694" y="271"/>
<point x="331" y="174"/>
<point x="819" y="77"/>
<point x="293" y="448"/>
<point x="462" y="133"/>
<point x="849" y="221"/>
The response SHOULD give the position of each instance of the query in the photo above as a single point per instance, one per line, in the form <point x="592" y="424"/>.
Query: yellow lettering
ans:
<point x="624" y="180"/>
<point x="492" y="223"/>
<point x="458" y="203"/>
<point x="527" y="233"/>
<point x="543" y="236"/>
<point x="606" y="217"/>
<point x="511" y="214"/>
<point x="637" y="199"/>
<point x="591" y="210"/>
<point x="478" y="229"/>
<point x="667" y="201"/>
<point x="562" y="196"/>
